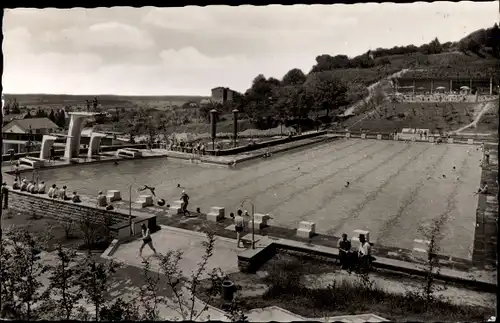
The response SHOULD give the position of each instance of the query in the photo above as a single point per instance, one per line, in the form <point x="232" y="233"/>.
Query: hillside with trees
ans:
<point x="336" y="82"/>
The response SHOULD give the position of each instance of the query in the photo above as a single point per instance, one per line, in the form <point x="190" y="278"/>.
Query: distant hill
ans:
<point x="107" y="101"/>
<point x="475" y="56"/>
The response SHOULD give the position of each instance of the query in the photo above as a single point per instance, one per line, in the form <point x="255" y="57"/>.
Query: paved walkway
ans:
<point x="225" y="257"/>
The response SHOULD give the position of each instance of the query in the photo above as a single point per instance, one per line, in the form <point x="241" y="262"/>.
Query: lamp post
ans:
<point x="130" y="209"/>
<point x="235" y="126"/>
<point x="253" y="221"/>
<point x="213" y="126"/>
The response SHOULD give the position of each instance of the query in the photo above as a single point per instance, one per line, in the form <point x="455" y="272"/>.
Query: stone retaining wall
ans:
<point x="58" y="209"/>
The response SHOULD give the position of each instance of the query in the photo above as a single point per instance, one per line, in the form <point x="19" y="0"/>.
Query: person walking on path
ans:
<point x="185" y="202"/>
<point x="239" y="227"/>
<point x="146" y="240"/>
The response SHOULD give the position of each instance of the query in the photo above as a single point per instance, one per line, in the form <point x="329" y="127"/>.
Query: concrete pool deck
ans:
<point x="395" y="188"/>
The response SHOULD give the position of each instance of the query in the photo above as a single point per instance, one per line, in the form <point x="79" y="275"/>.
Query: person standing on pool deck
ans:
<point x="185" y="202"/>
<point x="146" y="240"/>
<point x="239" y="226"/>
<point x="5" y="196"/>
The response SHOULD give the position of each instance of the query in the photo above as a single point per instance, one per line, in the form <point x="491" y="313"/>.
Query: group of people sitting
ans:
<point x="54" y="192"/>
<point x="198" y="148"/>
<point x="442" y="97"/>
<point x="351" y="260"/>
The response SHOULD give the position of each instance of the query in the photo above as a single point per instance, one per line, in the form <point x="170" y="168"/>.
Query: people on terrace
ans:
<point x="344" y="246"/>
<point x="15" y="185"/>
<point x="53" y="191"/>
<point x="482" y="189"/>
<point x="24" y="184"/>
<point x="41" y="188"/>
<point x="33" y="189"/>
<point x="364" y="253"/>
<point x="62" y="193"/>
<point x="75" y="198"/>
<point x="101" y="200"/>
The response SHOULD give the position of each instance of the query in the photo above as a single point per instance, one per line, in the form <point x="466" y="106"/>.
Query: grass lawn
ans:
<point x="48" y="225"/>
<point x="279" y="283"/>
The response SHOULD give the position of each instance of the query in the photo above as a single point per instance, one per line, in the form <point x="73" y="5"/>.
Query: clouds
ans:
<point x="192" y="49"/>
<point x="102" y="35"/>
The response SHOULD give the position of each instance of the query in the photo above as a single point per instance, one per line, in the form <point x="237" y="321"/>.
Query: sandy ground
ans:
<point x="395" y="187"/>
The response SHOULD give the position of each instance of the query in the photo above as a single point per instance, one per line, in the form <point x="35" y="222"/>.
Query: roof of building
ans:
<point x="36" y="123"/>
<point x="11" y="117"/>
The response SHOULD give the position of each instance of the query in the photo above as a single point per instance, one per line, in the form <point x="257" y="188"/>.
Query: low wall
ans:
<point x="66" y="210"/>
<point x="250" y="260"/>
<point x="238" y="150"/>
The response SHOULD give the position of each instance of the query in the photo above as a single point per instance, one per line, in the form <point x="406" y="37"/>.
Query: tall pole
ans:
<point x="130" y="209"/>
<point x="253" y="221"/>
<point x="253" y="226"/>
<point x="213" y="126"/>
<point x="235" y="126"/>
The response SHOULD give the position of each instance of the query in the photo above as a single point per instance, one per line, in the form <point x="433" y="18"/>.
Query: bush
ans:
<point x="284" y="279"/>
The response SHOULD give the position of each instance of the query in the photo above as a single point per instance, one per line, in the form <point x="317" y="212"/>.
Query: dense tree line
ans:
<point x="293" y="100"/>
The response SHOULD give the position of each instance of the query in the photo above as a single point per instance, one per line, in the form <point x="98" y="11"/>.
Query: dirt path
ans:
<point x="354" y="107"/>
<point x="486" y="107"/>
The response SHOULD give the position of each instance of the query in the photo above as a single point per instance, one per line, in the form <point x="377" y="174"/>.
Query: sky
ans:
<point x="189" y="50"/>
